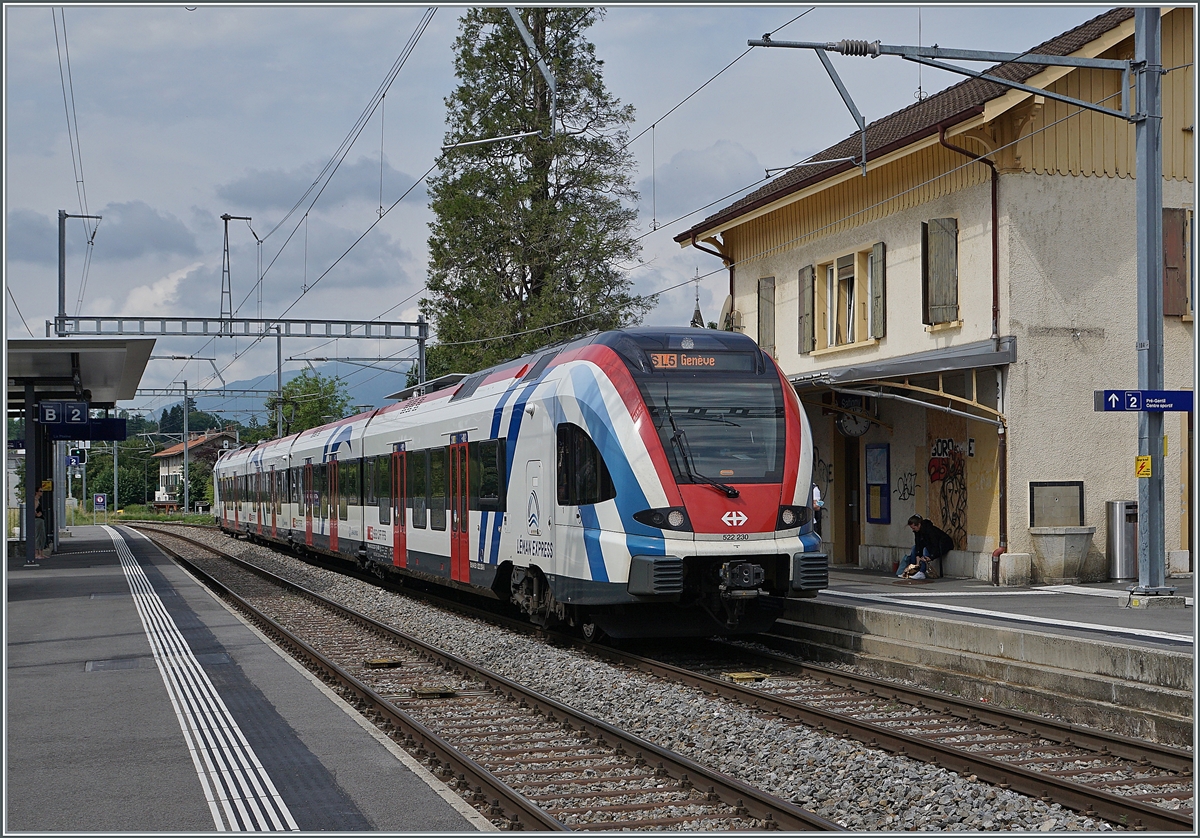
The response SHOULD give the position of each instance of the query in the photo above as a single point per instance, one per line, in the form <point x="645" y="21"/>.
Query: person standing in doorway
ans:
<point x="817" y="505"/>
<point x="39" y="526"/>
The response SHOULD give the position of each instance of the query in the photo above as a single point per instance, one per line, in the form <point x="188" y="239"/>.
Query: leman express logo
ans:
<point x="734" y="518"/>
<point x="535" y="547"/>
<point x="534" y="514"/>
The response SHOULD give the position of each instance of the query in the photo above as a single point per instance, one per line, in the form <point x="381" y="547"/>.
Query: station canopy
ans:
<point x="100" y="371"/>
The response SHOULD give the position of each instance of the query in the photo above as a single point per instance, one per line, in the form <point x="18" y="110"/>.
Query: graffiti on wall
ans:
<point x="906" y="486"/>
<point x="947" y="468"/>
<point x="822" y="474"/>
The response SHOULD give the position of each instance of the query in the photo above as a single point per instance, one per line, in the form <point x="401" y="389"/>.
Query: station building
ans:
<point x="946" y="318"/>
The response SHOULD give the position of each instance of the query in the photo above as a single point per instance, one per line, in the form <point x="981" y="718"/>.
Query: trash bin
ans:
<point x="1122" y="539"/>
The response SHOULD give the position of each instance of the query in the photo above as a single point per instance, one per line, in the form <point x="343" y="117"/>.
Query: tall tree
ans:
<point x="529" y="234"/>
<point x="310" y="399"/>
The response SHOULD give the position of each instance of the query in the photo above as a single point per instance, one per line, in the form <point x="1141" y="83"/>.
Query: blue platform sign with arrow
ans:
<point x="1140" y="401"/>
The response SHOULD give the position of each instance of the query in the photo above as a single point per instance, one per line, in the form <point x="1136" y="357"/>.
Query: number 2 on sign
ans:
<point x="1142" y="466"/>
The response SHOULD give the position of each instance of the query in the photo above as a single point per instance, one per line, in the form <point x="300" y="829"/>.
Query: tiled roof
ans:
<point x="920" y="119"/>
<point x="177" y="448"/>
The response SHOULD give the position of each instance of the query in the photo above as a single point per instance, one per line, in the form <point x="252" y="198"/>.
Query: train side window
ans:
<point x="348" y="487"/>
<point x="418" y="486"/>
<point x="368" y="481"/>
<point x="583" y="478"/>
<point x="321" y="485"/>
<point x="277" y="478"/>
<point x="486" y="475"/>
<point x="437" y="487"/>
<point x="382" y="487"/>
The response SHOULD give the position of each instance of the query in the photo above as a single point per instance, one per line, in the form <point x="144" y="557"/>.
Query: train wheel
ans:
<point x="592" y="633"/>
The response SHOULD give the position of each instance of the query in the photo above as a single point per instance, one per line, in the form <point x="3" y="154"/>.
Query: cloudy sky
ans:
<point x="184" y="113"/>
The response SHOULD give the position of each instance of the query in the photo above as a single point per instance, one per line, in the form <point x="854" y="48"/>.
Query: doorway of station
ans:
<point x="851" y="520"/>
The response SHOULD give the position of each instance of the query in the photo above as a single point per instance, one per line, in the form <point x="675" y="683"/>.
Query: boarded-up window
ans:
<point x="877" y="277"/>
<point x="1176" y="282"/>
<point x="766" y="314"/>
<point x="939" y="270"/>
<point x="808" y="310"/>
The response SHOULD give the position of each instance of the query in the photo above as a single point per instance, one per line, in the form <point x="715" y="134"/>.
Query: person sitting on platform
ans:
<point x="929" y="543"/>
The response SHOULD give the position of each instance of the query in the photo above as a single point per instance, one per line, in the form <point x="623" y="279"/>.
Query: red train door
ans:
<point x="274" y="500"/>
<point x="399" y="507"/>
<point x="258" y="499"/>
<point x="335" y="505"/>
<point x="308" y="502"/>
<point x="460" y="537"/>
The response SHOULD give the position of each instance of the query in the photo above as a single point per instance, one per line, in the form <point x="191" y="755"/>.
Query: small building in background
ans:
<point x="202" y="446"/>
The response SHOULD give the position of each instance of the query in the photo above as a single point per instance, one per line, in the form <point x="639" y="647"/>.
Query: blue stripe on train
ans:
<point x="591" y="543"/>
<point x="510" y="449"/>
<point x="630" y="497"/>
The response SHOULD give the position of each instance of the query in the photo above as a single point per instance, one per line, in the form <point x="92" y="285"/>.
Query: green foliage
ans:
<point x="171" y="421"/>
<point x="529" y="235"/>
<point x="138" y="473"/>
<point x="310" y="399"/>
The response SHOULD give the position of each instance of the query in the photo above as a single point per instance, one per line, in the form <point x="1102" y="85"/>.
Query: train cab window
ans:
<point x="437" y="487"/>
<point x="418" y="486"/>
<point x="486" y="475"/>
<point x="583" y="478"/>
<point x="381" y="487"/>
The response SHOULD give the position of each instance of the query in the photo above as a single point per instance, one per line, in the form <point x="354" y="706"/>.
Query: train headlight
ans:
<point x="792" y="517"/>
<point x="668" y="518"/>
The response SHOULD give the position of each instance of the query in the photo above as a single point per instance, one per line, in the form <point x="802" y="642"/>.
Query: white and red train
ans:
<point x="642" y="482"/>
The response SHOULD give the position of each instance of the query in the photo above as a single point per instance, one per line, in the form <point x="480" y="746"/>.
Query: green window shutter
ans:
<point x="939" y="263"/>
<point x="766" y="314"/>
<point x="1175" y="279"/>
<point x="878" y="291"/>
<point x="808" y="310"/>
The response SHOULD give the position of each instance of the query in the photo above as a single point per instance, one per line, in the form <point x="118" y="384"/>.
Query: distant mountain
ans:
<point x="365" y="386"/>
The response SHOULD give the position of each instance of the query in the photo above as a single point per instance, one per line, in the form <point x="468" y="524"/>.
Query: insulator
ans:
<point x="855" y="47"/>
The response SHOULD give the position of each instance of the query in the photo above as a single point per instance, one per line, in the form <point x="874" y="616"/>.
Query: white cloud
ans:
<point x="160" y="297"/>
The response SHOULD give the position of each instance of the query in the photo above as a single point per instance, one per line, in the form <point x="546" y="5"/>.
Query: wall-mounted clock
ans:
<point x="848" y="423"/>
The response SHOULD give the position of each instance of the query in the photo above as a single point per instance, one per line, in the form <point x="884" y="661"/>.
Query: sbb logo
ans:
<point x="734" y="518"/>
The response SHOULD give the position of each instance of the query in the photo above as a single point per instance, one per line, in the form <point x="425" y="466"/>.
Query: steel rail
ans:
<point x="1112" y="807"/>
<point x="754" y="802"/>
<point x="1157" y="754"/>
<point x="521" y="811"/>
<point x="1089" y="801"/>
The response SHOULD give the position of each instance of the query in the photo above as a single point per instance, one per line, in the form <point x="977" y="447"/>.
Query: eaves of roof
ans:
<point x="912" y="124"/>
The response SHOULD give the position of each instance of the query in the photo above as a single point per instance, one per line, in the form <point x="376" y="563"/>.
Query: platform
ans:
<point x="166" y="712"/>
<point x="1070" y="650"/>
<point x="1094" y="610"/>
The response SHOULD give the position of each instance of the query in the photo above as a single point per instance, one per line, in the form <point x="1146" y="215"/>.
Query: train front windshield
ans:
<point x="723" y="428"/>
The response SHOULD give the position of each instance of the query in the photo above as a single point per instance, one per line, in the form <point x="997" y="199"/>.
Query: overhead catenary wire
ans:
<point x="67" y="81"/>
<point x="790" y="242"/>
<point x="8" y="288"/>
<point x="358" y="128"/>
<point x="326" y="174"/>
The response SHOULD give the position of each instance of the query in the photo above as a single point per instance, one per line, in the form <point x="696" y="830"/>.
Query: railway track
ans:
<point x="1128" y="782"/>
<point x="1134" y="783"/>
<point x="525" y="760"/>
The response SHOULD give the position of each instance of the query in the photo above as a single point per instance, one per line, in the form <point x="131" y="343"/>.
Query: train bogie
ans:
<point x="636" y="483"/>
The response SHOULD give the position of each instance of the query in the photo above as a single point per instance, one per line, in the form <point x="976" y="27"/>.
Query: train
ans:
<point x="639" y="482"/>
